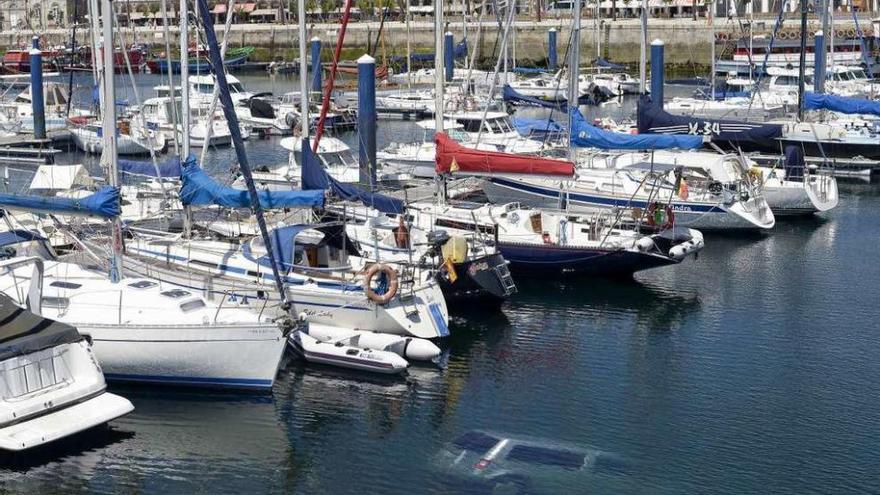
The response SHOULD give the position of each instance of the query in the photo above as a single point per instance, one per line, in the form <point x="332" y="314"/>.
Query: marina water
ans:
<point x="750" y="369"/>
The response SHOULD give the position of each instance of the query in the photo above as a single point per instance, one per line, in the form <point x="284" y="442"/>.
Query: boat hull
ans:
<point x="478" y="279"/>
<point x="531" y="260"/>
<point x="239" y="356"/>
<point x="702" y="216"/>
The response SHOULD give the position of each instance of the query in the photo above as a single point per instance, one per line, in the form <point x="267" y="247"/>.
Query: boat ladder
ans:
<point x="506" y="279"/>
<point x="408" y="291"/>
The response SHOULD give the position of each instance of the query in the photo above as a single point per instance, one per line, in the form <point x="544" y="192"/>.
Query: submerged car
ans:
<point x="502" y="464"/>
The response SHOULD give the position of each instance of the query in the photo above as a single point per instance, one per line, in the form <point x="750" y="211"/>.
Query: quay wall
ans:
<point x="687" y="41"/>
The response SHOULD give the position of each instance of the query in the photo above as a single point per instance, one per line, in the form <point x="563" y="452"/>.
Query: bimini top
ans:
<point x="22" y="332"/>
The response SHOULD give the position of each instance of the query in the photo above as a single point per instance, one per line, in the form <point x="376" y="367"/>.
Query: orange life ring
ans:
<point x="670" y="216"/>
<point x="392" y="284"/>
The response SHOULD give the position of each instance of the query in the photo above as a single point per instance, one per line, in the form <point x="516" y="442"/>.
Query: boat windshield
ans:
<point x="499" y="125"/>
<point x="336" y="159"/>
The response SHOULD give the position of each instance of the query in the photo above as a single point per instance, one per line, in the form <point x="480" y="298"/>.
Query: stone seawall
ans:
<point x="687" y="41"/>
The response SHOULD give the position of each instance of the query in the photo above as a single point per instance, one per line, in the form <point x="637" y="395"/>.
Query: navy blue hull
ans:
<point x="560" y="260"/>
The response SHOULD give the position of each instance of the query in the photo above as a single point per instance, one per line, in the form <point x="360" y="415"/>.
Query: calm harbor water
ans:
<point x="750" y="369"/>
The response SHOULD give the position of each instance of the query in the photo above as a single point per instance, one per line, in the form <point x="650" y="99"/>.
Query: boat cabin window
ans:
<point x="65" y="285"/>
<point x="170" y="109"/>
<point x="142" y="284"/>
<point x="233" y="88"/>
<point x="470" y="125"/>
<point x="175" y="293"/>
<point x="204" y="88"/>
<point x="193" y="305"/>
<point x="55" y="302"/>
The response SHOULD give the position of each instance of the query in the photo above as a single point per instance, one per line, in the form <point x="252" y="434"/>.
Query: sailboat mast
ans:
<point x="109" y="128"/>
<point x="184" y="79"/>
<point x="803" y="60"/>
<point x="303" y="79"/>
<point x="408" y="49"/>
<point x="438" y="67"/>
<point x="643" y="49"/>
<point x="573" y="63"/>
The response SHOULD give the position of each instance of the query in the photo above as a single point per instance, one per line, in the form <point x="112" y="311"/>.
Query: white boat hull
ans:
<point x="702" y="216"/>
<point x="240" y="356"/>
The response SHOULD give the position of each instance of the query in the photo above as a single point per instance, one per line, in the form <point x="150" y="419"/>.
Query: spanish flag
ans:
<point x="450" y="270"/>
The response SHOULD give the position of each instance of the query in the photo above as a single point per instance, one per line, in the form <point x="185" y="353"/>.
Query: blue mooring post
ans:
<point x="657" y="76"/>
<point x="316" y="65"/>
<point x="367" y="120"/>
<point x="819" y="73"/>
<point x="448" y="56"/>
<point x="551" y="55"/>
<point x="37" y="101"/>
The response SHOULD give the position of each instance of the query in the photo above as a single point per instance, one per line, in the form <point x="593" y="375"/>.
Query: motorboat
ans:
<point x="414" y="104"/>
<point x="254" y="111"/>
<point x="133" y="138"/>
<point x="159" y="113"/>
<point x="544" y="86"/>
<point x="52" y="385"/>
<point x="321" y="270"/>
<point x="145" y="330"/>
<point x="18" y="113"/>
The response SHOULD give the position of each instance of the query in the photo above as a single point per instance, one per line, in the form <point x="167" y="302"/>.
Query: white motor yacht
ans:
<point x="52" y="385"/>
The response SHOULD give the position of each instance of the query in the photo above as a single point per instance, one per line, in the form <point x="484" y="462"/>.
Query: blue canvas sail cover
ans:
<point x="315" y="178"/>
<point x="103" y="203"/>
<point x="200" y="189"/>
<point x="653" y="119"/>
<point x="842" y="104"/>
<point x="511" y="95"/>
<point x="584" y="135"/>
<point x="537" y="127"/>
<point x="168" y="169"/>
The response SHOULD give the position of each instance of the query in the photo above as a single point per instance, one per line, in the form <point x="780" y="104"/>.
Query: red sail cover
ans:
<point x="453" y="157"/>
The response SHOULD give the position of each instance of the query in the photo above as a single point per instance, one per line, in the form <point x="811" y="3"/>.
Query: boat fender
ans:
<point x="680" y="251"/>
<point x="655" y="217"/>
<point x="644" y="244"/>
<point x="392" y="284"/>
